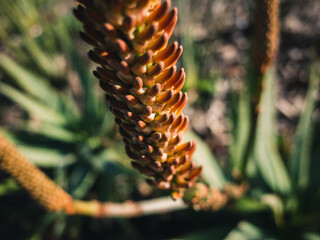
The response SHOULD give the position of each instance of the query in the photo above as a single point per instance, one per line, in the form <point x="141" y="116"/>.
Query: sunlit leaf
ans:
<point x="249" y="205"/>
<point x="84" y="185"/>
<point x="7" y="186"/>
<point x="246" y="230"/>
<point x="241" y="129"/>
<point x="53" y="132"/>
<point x="311" y="236"/>
<point x="32" y="106"/>
<point x="40" y="156"/>
<point x="216" y="232"/>
<point x="266" y="154"/>
<point x="212" y="172"/>
<point x="41" y="57"/>
<point x="187" y="41"/>
<point x="44" y="157"/>
<point x="87" y="81"/>
<point x="33" y="84"/>
<point x="300" y="161"/>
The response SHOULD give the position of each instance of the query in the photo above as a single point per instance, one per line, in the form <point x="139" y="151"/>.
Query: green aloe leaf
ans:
<point x="41" y="57"/>
<point x="31" y="83"/>
<point x="45" y="157"/>
<point x="40" y="156"/>
<point x="39" y="87"/>
<point x="266" y="154"/>
<point x="300" y="161"/>
<point x="187" y="40"/>
<point x="241" y="120"/>
<point x="247" y="205"/>
<point x="7" y="186"/>
<point x="110" y="155"/>
<point x="51" y="131"/>
<point x="88" y="83"/>
<point x="81" y="179"/>
<point x="275" y="203"/>
<point x="311" y="236"/>
<point x="216" y="233"/>
<point x="212" y="172"/>
<point x="84" y="185"/>
<point x="32" y="106"/>
<point x="246" y="230"/>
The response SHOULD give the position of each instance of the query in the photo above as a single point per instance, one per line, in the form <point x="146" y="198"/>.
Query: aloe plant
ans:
<point x="68" y="131"/>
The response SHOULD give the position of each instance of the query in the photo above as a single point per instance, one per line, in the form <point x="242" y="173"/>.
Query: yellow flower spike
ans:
<point x="33" y="180"/>
<point x="266" y="34"/>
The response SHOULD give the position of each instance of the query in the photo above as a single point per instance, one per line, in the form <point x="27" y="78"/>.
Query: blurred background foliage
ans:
<point x="53" y="110"/>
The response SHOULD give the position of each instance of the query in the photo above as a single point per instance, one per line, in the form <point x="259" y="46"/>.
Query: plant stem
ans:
<point x="127" y="209"/>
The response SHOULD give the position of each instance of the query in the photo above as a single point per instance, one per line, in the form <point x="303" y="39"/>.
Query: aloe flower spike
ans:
<point x="143" y="85"/>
